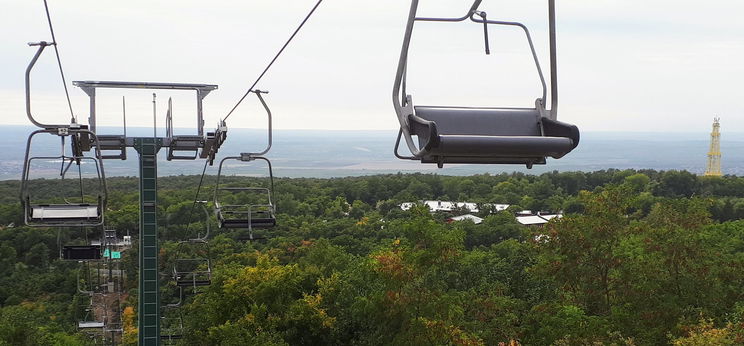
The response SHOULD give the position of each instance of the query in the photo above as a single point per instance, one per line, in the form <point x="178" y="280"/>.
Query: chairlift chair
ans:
<point x="242" y="216"/>
<point x="192" y="272"/>
<point x="253" y="215"/>
<point x="481" y="135"/>
<point x="171" y="328"/>
<point x="81" y="139"/>
<point x="67" y="214"/>
<point x="88" y="321"/>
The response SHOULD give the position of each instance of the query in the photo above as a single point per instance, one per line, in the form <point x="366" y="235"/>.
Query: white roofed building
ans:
<point x="536" y="220"/>
<point x="476" y="220"/>
<point x="447" y="206"/>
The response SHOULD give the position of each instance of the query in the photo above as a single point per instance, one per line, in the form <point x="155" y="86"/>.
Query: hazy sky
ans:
<point x="624" y="65"/>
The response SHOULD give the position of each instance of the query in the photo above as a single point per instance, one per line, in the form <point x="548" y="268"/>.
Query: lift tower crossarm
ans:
<point x="202" y="90"/>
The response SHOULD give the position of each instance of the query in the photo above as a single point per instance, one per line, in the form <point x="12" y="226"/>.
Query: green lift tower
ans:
<point x="181" y="147"/>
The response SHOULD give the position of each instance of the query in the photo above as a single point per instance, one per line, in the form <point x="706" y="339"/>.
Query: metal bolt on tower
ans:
<point x="714" y="154"/>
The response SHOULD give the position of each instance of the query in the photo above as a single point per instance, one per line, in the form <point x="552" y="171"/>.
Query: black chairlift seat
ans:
<point x="81" y="253"/>
<point x="490" y="135"/>
<point x="232" y="217"/>
<point x="194" y="283"/>
<point x="187" y="282"/>
<point x="187" y="273"/>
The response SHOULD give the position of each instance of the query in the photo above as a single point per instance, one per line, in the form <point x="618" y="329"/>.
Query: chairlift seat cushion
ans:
<point x="81" y="253"/>
<point x="242" y="218"/>
<point x="63" y="212"/>
<point x="490" y="135"/>
<point x="90" y="324"/>
<point x="263" y="222"/>
<point x="187" y="283"/>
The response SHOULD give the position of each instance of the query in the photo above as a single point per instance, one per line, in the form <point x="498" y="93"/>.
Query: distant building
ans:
<point x="446" y="206"/>
<point x="524" y="217"/>
<point x="536" y="220"/>
<point x="476" y="220"/>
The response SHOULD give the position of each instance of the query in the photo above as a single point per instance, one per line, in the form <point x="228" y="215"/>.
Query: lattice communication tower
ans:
<point x="714" y="154"/>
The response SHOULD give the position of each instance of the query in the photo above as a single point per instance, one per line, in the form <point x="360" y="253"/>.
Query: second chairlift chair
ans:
<point x="251" y="215"/>
<point x="67" y="214"/>
<point x="481" y="135"/>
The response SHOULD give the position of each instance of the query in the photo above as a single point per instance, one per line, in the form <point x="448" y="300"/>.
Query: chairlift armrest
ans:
<point x="555" y="128"/>
<point x="424" y="129"/>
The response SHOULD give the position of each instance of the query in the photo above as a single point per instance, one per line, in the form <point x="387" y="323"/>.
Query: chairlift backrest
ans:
<point x="483" y="122"/>
<point x="81" y="252"/>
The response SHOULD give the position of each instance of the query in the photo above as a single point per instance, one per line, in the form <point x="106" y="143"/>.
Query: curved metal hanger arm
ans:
<point x="553" y="62"/>
<point x="42" y="45"/>
<point x="268" y="113"/>
<point x="401" y="102"/>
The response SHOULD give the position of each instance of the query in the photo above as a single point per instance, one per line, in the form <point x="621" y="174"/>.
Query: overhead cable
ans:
<point x="274" y="59"/>
<point x="59" y="62"/>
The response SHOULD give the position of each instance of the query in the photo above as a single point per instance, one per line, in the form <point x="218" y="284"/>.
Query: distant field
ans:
<point x="299" y="153"/>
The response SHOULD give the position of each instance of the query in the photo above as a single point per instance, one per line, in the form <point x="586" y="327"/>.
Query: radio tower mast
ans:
<point x="714" y="154"/>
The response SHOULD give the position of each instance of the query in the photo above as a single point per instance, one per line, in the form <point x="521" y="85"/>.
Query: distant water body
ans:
<point x="323" y="154"/>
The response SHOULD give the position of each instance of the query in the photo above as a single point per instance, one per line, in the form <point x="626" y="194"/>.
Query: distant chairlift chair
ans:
<point x="88" y="322"/>
<point x="248" y="216"/>
<point x="479" y="135"/>
<point x="171" y="329"/>
<point x="192" y="272"/>
<point x="253" y="215"/>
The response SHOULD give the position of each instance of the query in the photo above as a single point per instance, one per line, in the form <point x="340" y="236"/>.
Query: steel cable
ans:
<point x="274" y="59"/>
<point x="59" y="62"/>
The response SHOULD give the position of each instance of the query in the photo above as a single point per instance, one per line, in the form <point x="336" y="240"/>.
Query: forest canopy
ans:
<point x="639" y="257"/>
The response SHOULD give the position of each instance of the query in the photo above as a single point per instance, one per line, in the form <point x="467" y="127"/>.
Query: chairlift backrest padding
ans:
<point x="482" y="122"/>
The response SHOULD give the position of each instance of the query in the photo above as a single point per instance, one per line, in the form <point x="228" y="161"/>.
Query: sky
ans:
<point x="623" y="65"/>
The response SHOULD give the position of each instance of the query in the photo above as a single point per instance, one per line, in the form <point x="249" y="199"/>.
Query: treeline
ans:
<point x="641" y="257"/>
